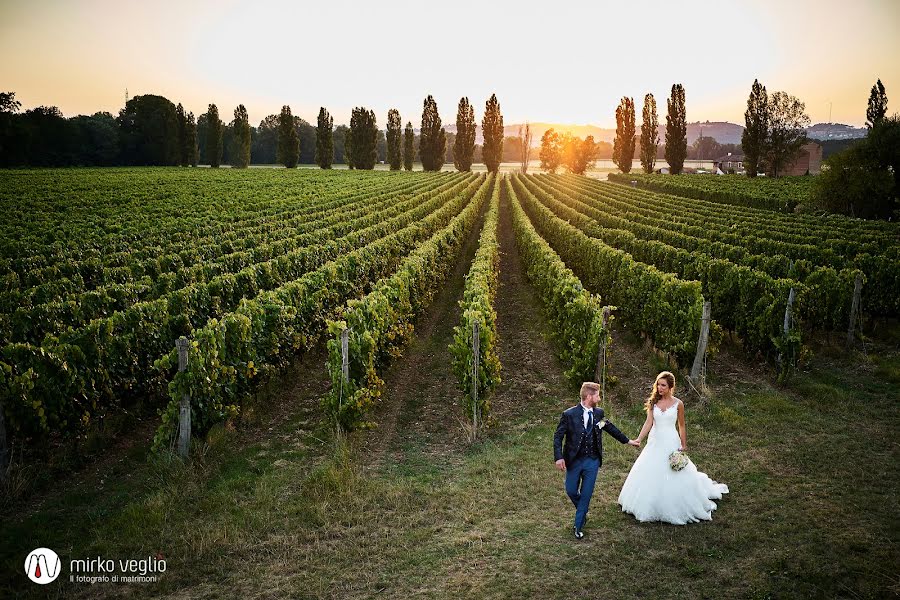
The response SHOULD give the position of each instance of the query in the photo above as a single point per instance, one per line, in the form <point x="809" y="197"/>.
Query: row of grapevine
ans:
<point x="729" y="278"/>
<point x="226" y="356"/>
<point x="478" y="307"/>
<point x="78" y="373"/>
<point x="575" y="315"/>
<point x="380" y="324"/>
<point x="276" y="266"/>
<point x="689" y="190"/>
<point x="804" y="262"/>
<point x="745" y="301"/>
<point x="662" y="306"/>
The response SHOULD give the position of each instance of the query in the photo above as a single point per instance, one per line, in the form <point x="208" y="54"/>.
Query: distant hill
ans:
<point x="721" y="131"/>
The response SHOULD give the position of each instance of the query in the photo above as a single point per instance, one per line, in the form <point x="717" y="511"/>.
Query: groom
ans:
<point x="583" y="452"/>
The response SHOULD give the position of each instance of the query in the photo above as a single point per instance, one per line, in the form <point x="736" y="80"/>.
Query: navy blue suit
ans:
<point x="582" y="450"/>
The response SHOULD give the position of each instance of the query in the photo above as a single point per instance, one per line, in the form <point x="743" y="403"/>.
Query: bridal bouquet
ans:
<point x="678" y="460"/>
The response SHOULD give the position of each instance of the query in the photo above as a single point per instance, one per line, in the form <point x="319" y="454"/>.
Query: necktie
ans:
<point x="590" y="420"/>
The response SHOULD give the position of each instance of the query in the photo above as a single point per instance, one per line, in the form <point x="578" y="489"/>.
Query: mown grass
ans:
<point x="812" y="513"/>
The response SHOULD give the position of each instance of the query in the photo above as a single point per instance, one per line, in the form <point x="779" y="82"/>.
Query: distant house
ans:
<point x="808" y="162"/>
<point x="732" y="163"/>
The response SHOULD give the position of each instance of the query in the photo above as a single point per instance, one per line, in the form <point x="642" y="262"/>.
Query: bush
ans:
<point x="853" y="183"/>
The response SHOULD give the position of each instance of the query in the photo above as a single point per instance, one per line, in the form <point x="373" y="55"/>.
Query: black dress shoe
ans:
<point x="578" y="533"/>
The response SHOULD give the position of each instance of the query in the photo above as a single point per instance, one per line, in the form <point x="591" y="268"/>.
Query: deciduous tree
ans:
<point x="623" y="146"/>
<point x="464" y="143"/>
<point x="676" y="130"/>
<point x="492" y="130"/>
<point x="394" y="133"/>
<point x="649" y="134"/>
<point x="324" y="139"/>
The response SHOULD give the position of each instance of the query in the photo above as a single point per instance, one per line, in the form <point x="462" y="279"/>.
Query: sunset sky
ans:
<point x="560" y="62"/>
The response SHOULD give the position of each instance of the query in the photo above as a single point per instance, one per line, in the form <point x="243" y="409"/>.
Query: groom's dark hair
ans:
<point x="589" y="385"/>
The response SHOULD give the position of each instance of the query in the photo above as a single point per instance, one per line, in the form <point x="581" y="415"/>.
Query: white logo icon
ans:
<point x="42" y="565"/>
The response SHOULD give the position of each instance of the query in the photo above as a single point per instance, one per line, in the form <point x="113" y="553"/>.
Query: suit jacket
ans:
<point x="570" y="434"/>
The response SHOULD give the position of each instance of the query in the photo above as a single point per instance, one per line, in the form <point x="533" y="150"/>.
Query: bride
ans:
<point x="653" y="491"/>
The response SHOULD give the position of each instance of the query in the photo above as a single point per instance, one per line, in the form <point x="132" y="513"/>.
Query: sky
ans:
<point x="555" y="62"/>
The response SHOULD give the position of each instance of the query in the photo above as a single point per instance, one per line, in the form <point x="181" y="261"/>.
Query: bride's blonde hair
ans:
<point x="655" y="395"/>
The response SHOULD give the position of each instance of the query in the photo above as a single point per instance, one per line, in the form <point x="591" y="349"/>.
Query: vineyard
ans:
<point x="781" y="194"/>
<point x="197" y="292"/>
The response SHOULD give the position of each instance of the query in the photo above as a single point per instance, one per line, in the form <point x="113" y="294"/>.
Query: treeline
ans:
<point x="152" y="130"/>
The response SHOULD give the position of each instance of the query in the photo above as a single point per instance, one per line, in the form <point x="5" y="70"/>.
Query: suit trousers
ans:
<point x="580" y="479"/>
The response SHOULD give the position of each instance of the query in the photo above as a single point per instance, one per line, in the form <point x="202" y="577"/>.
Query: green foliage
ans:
<point x="324" y="139"/>
<point x="649" y="134"/>
<point x="433" y="139"/>
<point x="492" y="130"/>
<point x="288" y="141"/>
<point x="148" y="128"/>
<point x="551" y="150"/>
<point x="478" y="306"/>
<point x="877" y="107"/>
<point x="409" y="152"/>
<point x="394" y="133"/>
<point x="756" y="129"/>
<point x="363" y="135"/>
<point x="190" y="150"/>
<point x="676" y="130"/>
<point x="623" y="146"/>
<point x="853" y="183"/>
<point x="381" y="323"/>
<point x="576" y="315"/>
<point x="241" y="132"/>
<point x="464" y="142"/>
<point x="214" y="140"/>
<point x="787" y="131"/>
<point x="181" y="118"/>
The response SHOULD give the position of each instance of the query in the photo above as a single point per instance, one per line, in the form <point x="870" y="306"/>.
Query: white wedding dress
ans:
<point x="654" y="492"/>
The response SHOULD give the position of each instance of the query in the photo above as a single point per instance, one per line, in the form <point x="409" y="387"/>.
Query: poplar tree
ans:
<point x="363" y="138"/>
<point x="214" y="129"/>
<point x="877" y="108"/>
<point x="241" y="128"/>
<point x="190" y="149"/>
<point x="394" y="133"/>
<point x="649" y="134"/>
<point x="756" y="129"/>
<point x="676" y="130"/>
<point x="324" y="139"/>
<point x="464" y="144"/>
<point x="409" y="150"/>
<point x="288" y="149"/>
<point x="432" y="138"/>
<point x="181" y="118"/>
<point x="492" y="130"/>
<point x="623" y="146"/>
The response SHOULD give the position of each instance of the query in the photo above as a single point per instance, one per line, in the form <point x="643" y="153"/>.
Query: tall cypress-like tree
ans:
<point x="214" y="146"/>
<point x="623" y="146"/>
<point x="877" y="108"/>
<point x="676" y="130"/>
<point x="432" y="138"/>
<point x="241" y="129"/>
<point x="288" y="149"/>
<point x="756" y="129"/>
<point x="649" y="134"/>
<point x="324" y="139"/>
<point x="191" y="149"/>
<point x="409" y="150"/>
<point x="492" y="130"/>
<point x="363" y="138"/>
<point x="464" y="143"/>
<point x="394" y="133"/>
<point x="182" y="133"/>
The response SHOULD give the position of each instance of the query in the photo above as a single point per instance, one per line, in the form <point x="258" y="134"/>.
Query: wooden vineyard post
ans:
<point x="345" y="363"/>
<point x="476" y="352"/>
<point x="787" y="311"/>
<point x="184" y="410"/>
<point x="698" y="370"/>
<point x="854" y="309"/>
<point x="600" y="371"/>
